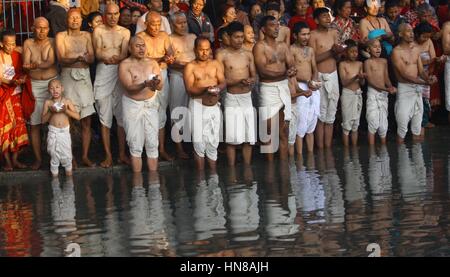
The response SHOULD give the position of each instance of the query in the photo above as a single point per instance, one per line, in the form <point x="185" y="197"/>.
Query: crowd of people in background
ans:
<point x="154" y="71"/>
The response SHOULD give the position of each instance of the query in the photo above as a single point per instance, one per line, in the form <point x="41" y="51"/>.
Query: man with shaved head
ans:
<point x="111" y="47"/>
<point x="75" y="52"/>
<point x="153" y="6"/>
<point x="158" y="48"/>
<point x="182" y="44"/>
<point x="141" y="78"/>
<point x="39" y="61"/>
<point x="409" y="71"/>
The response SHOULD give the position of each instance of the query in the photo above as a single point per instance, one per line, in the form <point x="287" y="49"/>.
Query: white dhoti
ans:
<point x="205" y="121"/>
<point x="78" y="88"/>
<point x="59" y="147"/>
<point x="108" y="94"/>
<point x="178" y="94"/>
<point x="293" y="124"/>
<point x="351" y="106"/>
<point x="140" y="121"/>
<point x="273" y="97"/>
<point x="409" y="107"/>
<point x="377" y="111"/>
<point x="308" y="111"/>
<point x="447" y="84"/>
<point x="329" y="96"/>
<point x="240" y="119"/>
<point x="163" y="98"/>
<point x="40" y="93"/>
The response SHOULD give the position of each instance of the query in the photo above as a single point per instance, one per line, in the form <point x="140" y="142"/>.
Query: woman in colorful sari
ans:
<point x="343" y="23"/>
<point x="13" y="131"/>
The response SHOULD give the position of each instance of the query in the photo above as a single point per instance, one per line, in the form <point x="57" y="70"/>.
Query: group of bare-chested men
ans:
<point x="138" y="78"/>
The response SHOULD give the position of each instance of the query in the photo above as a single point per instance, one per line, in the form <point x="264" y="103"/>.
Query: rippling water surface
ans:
<point x="333" y="203"/>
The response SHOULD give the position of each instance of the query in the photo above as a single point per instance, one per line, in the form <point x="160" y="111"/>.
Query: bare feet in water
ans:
<point x="182" y="156"/>
<point x="124" y="159"/>
<point x="164" y="156"/>
<point x="19" y="165"/>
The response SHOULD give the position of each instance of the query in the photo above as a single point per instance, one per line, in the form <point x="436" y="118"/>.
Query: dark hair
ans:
<point x="351" y="43"/>
<point x="200" y="39"/>
<point x="234" y="27"/>
<point x="221" y="32"/>
<point x="124" y="9"/>
<point x="135" y="9"/>
<point x="191" y="2"/>
<point x="7" y="33"/>
<point x="266" y="19"/>
<point x="299" y="26"/>
<point x="339" y="4"/>
<point x="422" y="28"/>
<point x="319" y="11"/>
<point x="273" y="7"/>
<point x="391" y="3"/>
<point x="93" y="15"/>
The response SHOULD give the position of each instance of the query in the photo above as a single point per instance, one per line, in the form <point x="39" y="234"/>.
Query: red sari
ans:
<point x="13" y="130"/>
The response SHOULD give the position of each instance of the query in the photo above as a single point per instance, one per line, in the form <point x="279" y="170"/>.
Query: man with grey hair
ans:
<point x="182" y="44"/>
<point x="153" y="6"/>
<point x="409" y="71"/>
<point x="158" y="48"/>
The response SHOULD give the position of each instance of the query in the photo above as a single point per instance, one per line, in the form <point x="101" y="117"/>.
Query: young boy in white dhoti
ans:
<point x="57" y="112"/>
<point x="379" y="86"/>
<point x="352" y="77"/>
<point x="306" y="102"/>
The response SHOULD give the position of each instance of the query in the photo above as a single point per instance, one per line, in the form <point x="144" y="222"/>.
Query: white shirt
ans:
<point x="165" y="26"/>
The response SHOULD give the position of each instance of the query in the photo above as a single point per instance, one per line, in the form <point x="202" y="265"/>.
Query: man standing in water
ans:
<point x="409" y="71"/>
<point x="140" y="104"/>
<point x="204" y="79"/>
<point x="275" y="65"/>
<point x="158" y="48"/>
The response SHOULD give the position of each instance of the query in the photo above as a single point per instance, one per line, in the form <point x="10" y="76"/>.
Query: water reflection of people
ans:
<point x="354" y="179"/>
<point x="279" y="206"/>
<point x="411" y="171"/>
<point x="309" y="190"/>
<point x="334" y="207"/>
<point x="63" y="212"/>
<point x="243" y="207"/>
<point x="380" y="177"/>
<point x="209" y="211"/>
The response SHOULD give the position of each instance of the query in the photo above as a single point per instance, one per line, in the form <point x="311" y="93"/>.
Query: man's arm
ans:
<point x="222" y="83"/>
<point x="124" y="47"/>
<point x="399" y="66"/>
<point x="90" y="58"/>
<point x="61" y="50"/>
<point x="261" y="62"/>
<point x="386" y="75"/>
<point x="97" y="43"/>
<point x="189" y="81"/>
<point x="315" y="72"/>
<point x="446" y="38"/>
<point x="27" y="55"/>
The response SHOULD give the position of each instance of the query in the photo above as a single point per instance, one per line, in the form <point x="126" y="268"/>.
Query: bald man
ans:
<point x="182" y="44"/>
<point x="409" y="71"/>
<point x="39" y="61"/>
<point x="158" y="48"/>
<point x="153" y="6"/>
<point x="141" y="78"/>
<point x="75" y="52"/>
<point x="204" y="79"/>
<point x="111" y="47"/>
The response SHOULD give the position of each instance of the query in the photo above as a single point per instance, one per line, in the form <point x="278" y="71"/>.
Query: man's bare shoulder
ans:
<point x="28" y="43"/>
<point x="446" y="26"/>
<point x="333" y="31"/>
<point x="163" y="35"/>
<point x="61" y="35"/>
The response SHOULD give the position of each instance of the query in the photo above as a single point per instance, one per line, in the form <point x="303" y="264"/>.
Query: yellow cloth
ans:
<point x="88" y="6"/>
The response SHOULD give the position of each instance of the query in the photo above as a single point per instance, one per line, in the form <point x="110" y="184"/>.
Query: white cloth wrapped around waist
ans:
<point x="106" y="79"/>
<point x="59" y="143"/>
<point x="239" y="118"/>
<point x="272" y="97"/>
<point x="313" y="106"/>
<point x="330" y="83"/>
<point x="77" y="86"/>
<point x="351" y="103"/>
